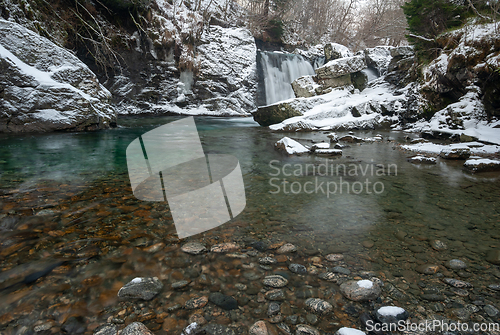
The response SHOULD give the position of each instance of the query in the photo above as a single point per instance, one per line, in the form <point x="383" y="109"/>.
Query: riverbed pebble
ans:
<point x="141" y="288"/>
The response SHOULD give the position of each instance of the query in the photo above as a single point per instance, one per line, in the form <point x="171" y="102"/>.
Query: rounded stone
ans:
<point x="297" y="268"/>
<point x="438" y="245"/>
<point x="275" y="295"/>
<point x="319" y="306"/>
<point x="107" y="329"/>
<point x="136" y="328"/>
<point x="180" y="284"/>
<point x="456" y="283"/>
<point x="262" y="328"/>
<point x="456" y="264"/>
<point x="493" y="257"/>
<point x="273" y="309"/>
<point x="193" y="248"/>
<point x="223" y="301"/>
<point x="141" y="288"/>
<point x="362" y="290"/>
<point x="306" y="330"/>
<point x="334" y="257"/>
<point x="275" y="281"/>
<point x="196" y="303"/>
<point x="224" y="248"/>
<point x="341" y="270"/>
<point x="287" y="248"/>
<point x="427" y="269"/>
<point x="328" y="276"/>
<point x="268" y="260"/>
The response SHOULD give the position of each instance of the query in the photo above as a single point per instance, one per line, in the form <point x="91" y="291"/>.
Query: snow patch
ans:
<point x="365" y="284"/>
<point x="350" y="331"/>
<point x="136" y="280"/>
<point x="390" y="311"/>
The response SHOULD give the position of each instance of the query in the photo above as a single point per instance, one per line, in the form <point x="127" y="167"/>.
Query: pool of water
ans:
<point x="72" y="232"/>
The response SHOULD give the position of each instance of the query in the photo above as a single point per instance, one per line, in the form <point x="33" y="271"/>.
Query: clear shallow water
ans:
<point x="73" y="234"/>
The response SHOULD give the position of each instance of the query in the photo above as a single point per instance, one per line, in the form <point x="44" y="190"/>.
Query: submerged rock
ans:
<point x="136" y="328"/>
<point x="193" y="248"/>
<point x="107" y="329"/>
<point x="141" y="288"/>
<point x="47" y="88"/>
<point x="362" y="290"/>
<point x="306" y="330"/>
<point x="262" y="328"/>
<point x="297" y="268"/>
<point x="318" y="306"/>
<point x="223" y="301"/>
<point x="419" y="159"/>
<point x="275" y="281"/>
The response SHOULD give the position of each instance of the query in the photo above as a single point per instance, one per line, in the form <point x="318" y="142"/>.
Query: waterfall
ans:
<point x="278" y="70"/>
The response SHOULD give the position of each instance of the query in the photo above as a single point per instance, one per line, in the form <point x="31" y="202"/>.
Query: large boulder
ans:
<point x="227" y="76"/>
<point x="341" y="67"/>
<point x="306" y="87"/>
<point x="46" y="88"/>
<point x="335" y="51"/>
<point x="272" y="114"/>
<point x="379" y="58"/>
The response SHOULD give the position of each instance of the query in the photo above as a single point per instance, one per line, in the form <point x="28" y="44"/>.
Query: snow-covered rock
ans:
<point x="455" y="153"/>
<point x="290" y="147"/>
<point x="46" y="88"/>
<point x="227" y="60"/>
<point x="349" y="331"/>
<point x="419" y="159"/>
<point x="379" y="58"/>
<point x="340" y="67"/>
<point x="482" y="165"/>
<point x="306" y="87"/>
<point x="335" y="51"/>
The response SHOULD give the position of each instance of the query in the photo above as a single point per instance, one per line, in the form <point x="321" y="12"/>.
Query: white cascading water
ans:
<point x="280" y="70"/>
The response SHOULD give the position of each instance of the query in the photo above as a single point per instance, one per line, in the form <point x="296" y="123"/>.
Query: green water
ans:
<point x="65" y="198"/>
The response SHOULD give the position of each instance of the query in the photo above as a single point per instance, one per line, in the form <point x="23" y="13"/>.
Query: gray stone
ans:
<point x="180" y="284"/>
<point x="334" y="257"/>
<point x="287" y="248"/>
<point x="275" y="281"/>
<point x="275" y="295"/>
<point x="319" y="306"/>
<point x="328" y="276"/>
<point x="359" y="80"/>
<point x="438" y="245"/>
<point x="141" y="288"/>
<point x="273" y="309"/>
<point x="306" y="330"/>
<point x="136" y="328"/>
<point x="297" y="268"/>
<point x="193" y="248"/>
<point x="47" y="88"/>
<point x="482" y="165"/>
<point x="216" y="329"/>
<point x="312" y="319"/>
<point x="267" y="260"/>
<point x="456" y="264"/>
<point x="306" y="87"/>
<point x="341" y="270"/>
<point x="223" y="301"/>
<point x="491" y="310"/>
<point x="456" y="283"/>
<point x="362" y="290"/>
<point x="340" y="67"/>
<point x="107" y="329"/>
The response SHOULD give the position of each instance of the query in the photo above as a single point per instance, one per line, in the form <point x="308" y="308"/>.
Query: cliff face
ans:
<point x="154" y="56"/>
